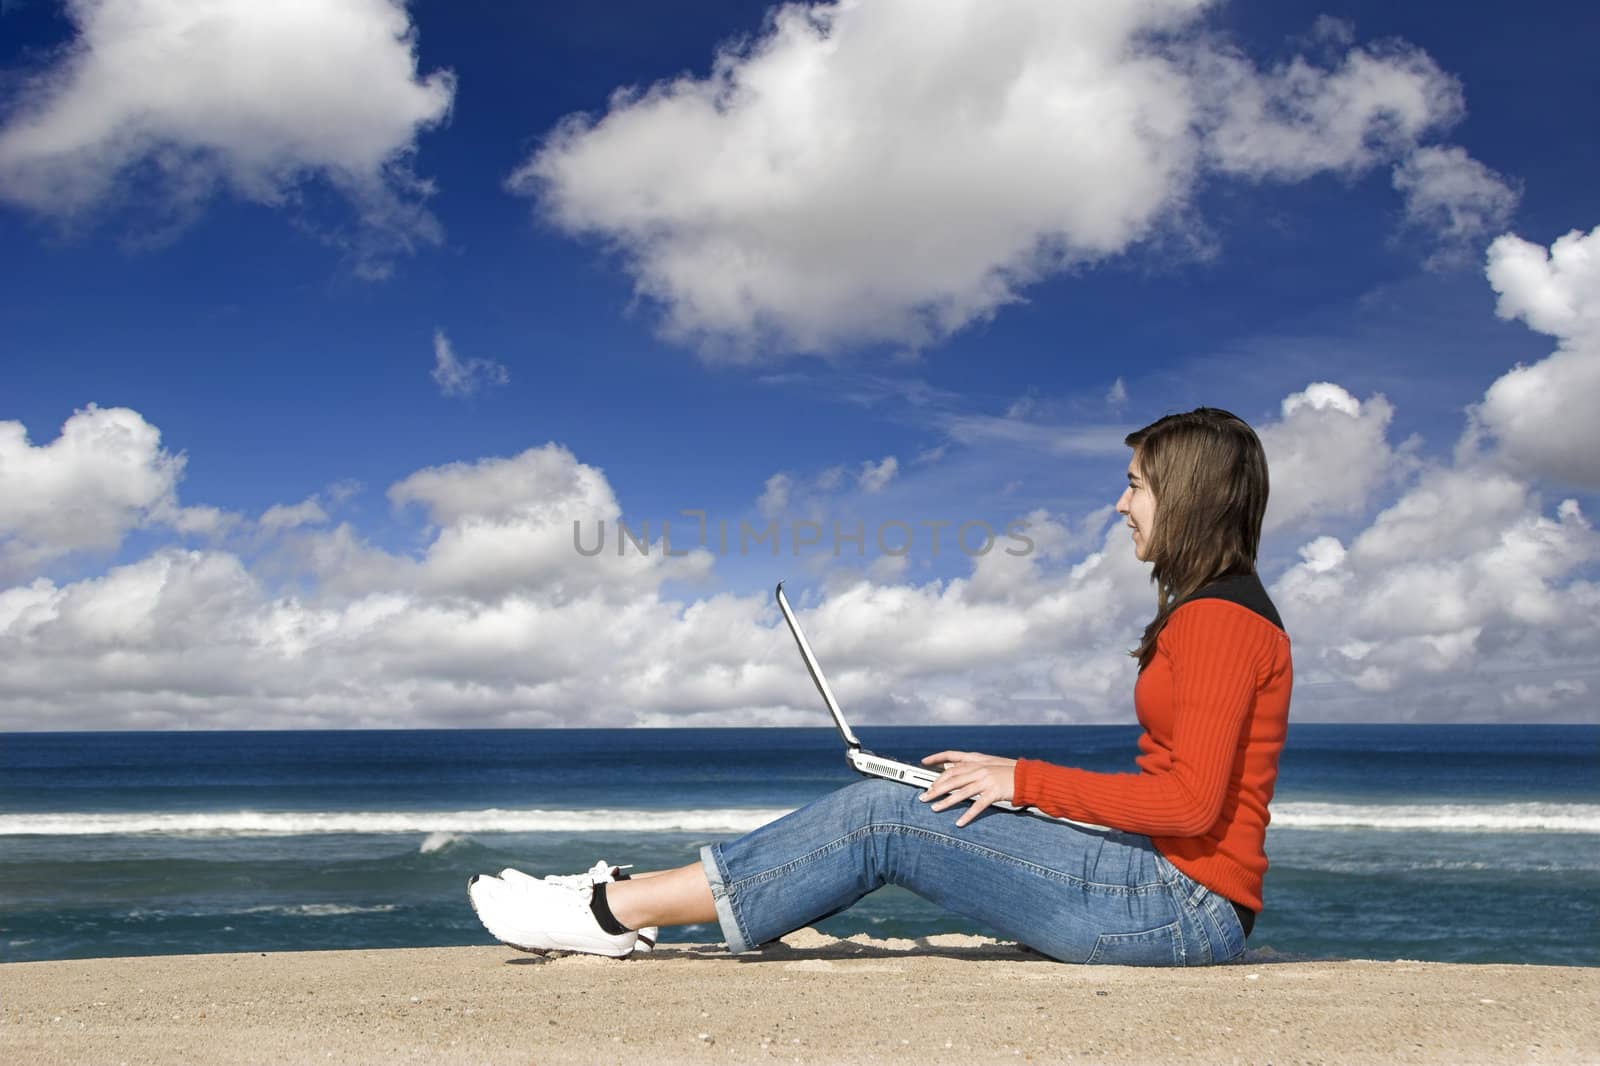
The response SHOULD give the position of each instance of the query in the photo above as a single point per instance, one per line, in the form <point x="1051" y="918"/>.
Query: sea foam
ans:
<point x="1467" y="817"/>
<point x="289" y="823"/>
<point x="446" y="827"/>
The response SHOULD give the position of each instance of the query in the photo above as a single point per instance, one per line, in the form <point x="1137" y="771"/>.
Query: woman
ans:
<point x="1177" y="878"/>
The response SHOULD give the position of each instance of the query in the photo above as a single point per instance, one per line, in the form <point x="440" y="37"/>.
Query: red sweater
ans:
<point x="1214" y="704"/>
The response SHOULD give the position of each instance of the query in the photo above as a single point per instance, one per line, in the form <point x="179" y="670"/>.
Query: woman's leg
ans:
<point x="1075" y="894"/>
<point x="663" y="897"/>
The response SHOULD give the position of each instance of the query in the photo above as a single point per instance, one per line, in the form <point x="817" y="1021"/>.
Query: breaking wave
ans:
<point x="1469" y="817"/>
<point x="443" y="826"/>
<point x="444" y="829"/>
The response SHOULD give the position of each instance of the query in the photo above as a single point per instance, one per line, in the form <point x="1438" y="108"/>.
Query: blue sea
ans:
<point x="1447" y="843"/>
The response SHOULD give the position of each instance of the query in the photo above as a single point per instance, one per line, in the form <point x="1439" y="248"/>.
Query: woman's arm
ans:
<point x="1216" y="652"/>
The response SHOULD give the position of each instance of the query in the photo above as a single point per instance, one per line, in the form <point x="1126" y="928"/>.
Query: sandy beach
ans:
<point x="810" y="999"/>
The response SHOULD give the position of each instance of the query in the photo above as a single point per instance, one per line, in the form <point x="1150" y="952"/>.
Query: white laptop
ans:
<point x="859" y="757"/>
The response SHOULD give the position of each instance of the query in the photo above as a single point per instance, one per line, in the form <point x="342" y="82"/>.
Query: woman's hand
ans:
<point x="969" y="775"/>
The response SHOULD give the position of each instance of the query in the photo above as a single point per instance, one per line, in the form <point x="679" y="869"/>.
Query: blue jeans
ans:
<point x="1075" y="894"/>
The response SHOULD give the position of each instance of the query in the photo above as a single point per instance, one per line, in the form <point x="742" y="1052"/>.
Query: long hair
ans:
<point x="1208" y="475"/>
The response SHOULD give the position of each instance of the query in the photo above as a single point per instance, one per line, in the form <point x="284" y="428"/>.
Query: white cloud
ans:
<point x="874" y="476"/>
<point x="199" y="521"/>
<point x="1447" y="601"/>
<point x="1328" y="454"/>
<point x="1300" y="119"/>
<point x="279" y="516"/>
<point x="105" y="475"/>
<point x="456" y="377"/>
<point x="1466" y="595"/>
<point x="808" y="496"/>
<point x="540" y="481"/>
<point x="774" y="499"/>
<point x="499" y="620"/>
<point x="1546" y="697"/>
<point x="890" y="172"/>
<point x="1041" y="438"/>
<point x="1553" y="291"/>
<point x="1465" y="509"/>
<point x="515" y="527"/>
<point x="166" y="101"/>
<point x="1454" y="197"/>
<point x="1022" y="408"/>
<point x="889" y="569"/>
<point x="1542" y="416"/>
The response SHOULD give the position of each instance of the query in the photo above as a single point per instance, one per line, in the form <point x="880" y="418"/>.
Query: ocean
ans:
<point x="1440" y="843"/>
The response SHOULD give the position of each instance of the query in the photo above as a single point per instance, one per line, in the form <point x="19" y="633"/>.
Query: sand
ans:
<point x="811" y="999"/>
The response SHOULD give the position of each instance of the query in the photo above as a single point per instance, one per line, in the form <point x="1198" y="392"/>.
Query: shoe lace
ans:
<point x="599" y="872"/>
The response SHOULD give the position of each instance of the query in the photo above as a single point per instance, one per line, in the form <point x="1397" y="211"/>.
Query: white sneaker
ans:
<point x="601" y="872"/>
<point x="541" y="917"/>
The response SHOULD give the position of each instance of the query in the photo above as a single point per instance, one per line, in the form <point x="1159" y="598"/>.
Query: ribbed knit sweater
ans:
<point x="1214" y="704"/>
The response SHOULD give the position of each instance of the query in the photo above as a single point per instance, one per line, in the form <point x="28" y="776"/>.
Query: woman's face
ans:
<point x="1140" y="508"/>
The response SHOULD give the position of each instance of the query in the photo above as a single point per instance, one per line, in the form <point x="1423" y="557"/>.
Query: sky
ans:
<point x="476" y="364"/>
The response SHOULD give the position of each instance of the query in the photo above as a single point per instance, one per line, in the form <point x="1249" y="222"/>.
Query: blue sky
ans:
<point x="372" y="304"/>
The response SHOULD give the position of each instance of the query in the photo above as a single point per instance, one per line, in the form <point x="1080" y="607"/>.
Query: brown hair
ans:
<point x="1208" y="474"/>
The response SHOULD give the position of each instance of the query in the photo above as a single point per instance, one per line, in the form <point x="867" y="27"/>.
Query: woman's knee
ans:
<point x="875" y="786"/>
<point x="870" y="802"/>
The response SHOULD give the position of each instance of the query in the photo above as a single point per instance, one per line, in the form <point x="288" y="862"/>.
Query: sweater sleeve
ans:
<point x="1216" y="651"/>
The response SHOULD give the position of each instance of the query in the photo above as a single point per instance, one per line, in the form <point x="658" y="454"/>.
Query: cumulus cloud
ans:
<point x="1462" y="508"/>
<point x="1328" y="454"/>
<point x="1469" y="595"/>
<point x="1542" y="416"/>
<point x="1455" y="199"/>
<point x="104" y="476"/>
<point x="1460" y="592"/>
<point x="167" y="102"/>
<point x="1448" y="592"/>
<point x="457" y="377"/>
<point x="523" y="526"/>
<point x="1555" y="291"/>
<point x="500" y="619"/>
<point x="836" y="180"/>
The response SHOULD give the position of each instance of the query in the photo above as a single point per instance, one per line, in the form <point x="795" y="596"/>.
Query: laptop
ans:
<point x="859" y="758"/>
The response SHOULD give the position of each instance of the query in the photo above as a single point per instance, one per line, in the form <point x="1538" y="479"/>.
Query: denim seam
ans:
<point x="1174" y="929"/>
<point x="897" y="827"/>
<point x="1190" y="896"/>
<point x="1220" y="911"/>
<point x="1182" y="940"/>
<point x="1196" y="899"/>
<point x="1203" y="920"/>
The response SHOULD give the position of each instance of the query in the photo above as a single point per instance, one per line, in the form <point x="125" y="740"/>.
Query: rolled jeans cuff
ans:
<point x="727" y="917"/>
